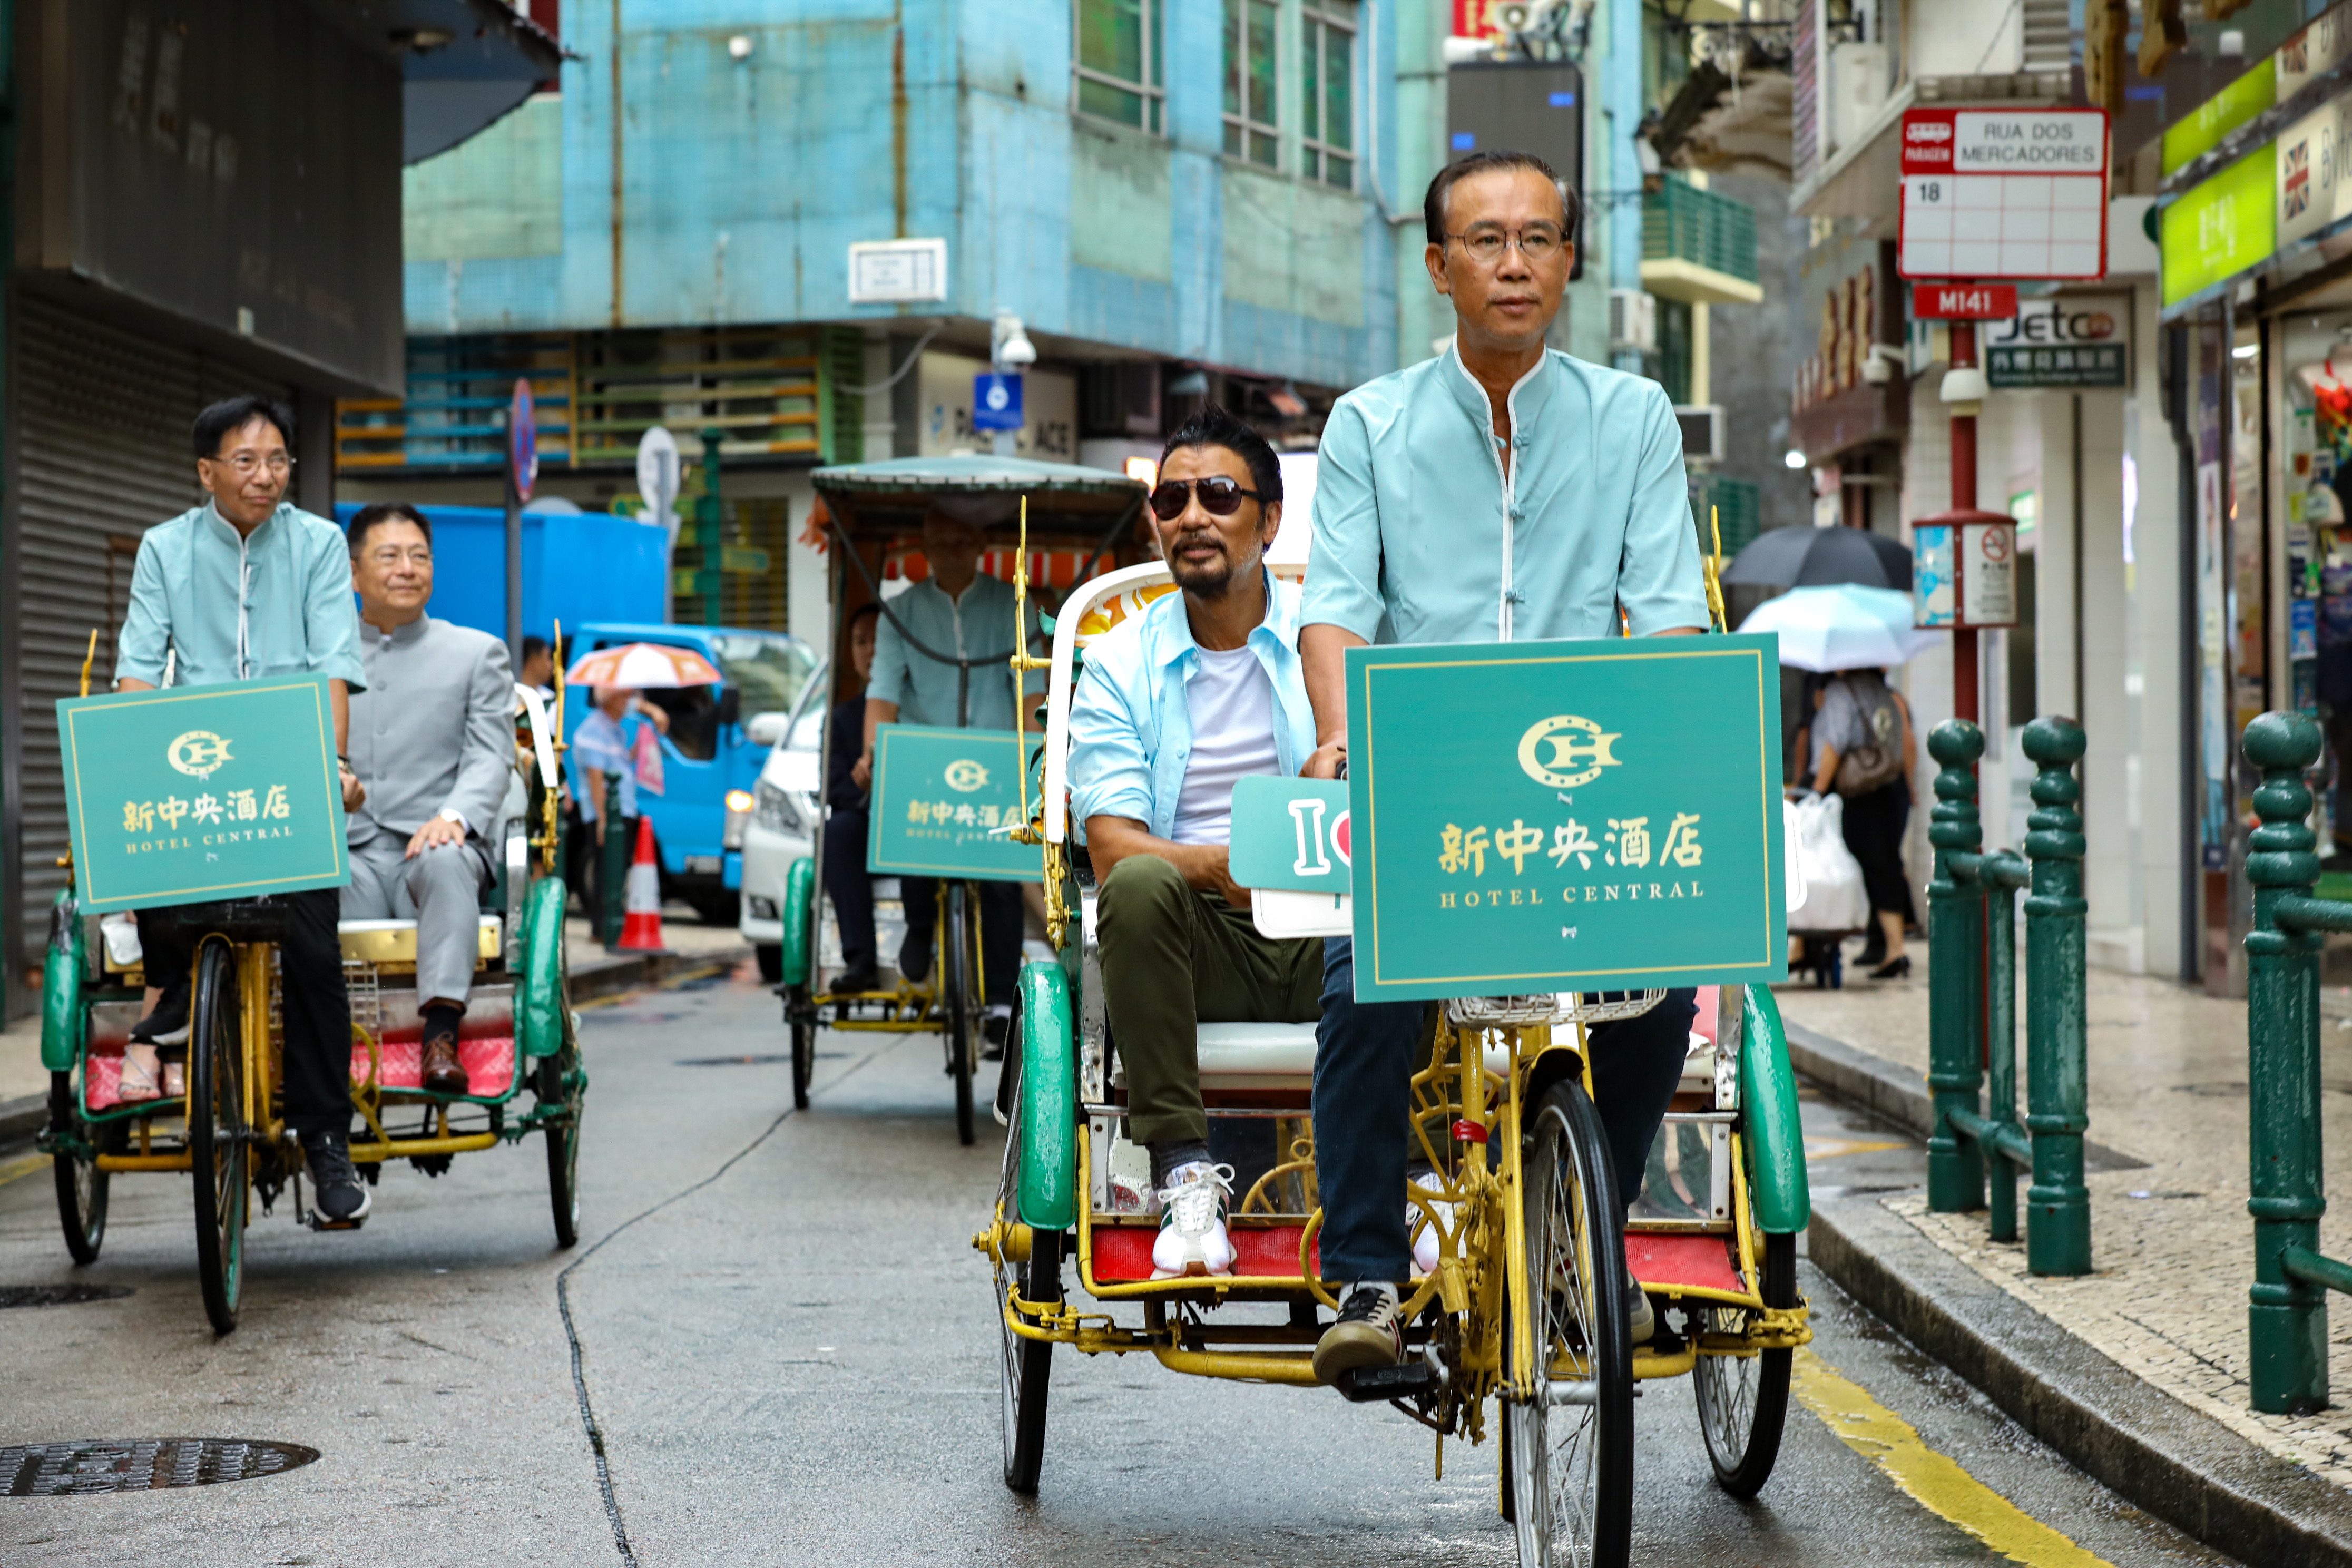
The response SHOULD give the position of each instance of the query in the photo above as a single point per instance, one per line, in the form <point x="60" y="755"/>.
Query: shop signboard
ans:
<point x="2309" y="182"/>
<point x="2004" y="192"/>
<point x="1964" y="572"/>
<point x="2221" y="226"/>
<point x="2079" y="340"/>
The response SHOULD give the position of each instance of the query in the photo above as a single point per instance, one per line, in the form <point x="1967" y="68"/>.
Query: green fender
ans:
<point x="1049" y="1100"/>
<point x="799" y="890"/>
<point x="64" y="1021"/>
<point x="539" y="990"/>
<point x="1774" y="1129"/>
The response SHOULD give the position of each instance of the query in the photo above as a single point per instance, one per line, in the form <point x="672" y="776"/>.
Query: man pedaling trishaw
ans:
<point x="1473" y="1160"/>
<point x="283" y="892"/>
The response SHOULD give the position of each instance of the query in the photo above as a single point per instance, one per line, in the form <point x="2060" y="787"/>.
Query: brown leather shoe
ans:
<point x="443" y="1073"/>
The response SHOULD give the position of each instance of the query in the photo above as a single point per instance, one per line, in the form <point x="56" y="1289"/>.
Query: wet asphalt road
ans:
<point x="788" y="1344"/>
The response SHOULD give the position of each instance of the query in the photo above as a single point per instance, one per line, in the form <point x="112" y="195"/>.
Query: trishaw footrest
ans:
<point x="1375" y="1385"/>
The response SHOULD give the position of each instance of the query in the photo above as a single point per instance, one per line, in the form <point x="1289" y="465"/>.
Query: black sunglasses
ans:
<point x="1219" y="497"/>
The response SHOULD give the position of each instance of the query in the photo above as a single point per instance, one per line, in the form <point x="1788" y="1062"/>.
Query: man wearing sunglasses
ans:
<point x="1201" y="690"/>
<point x="1498" y="492"/>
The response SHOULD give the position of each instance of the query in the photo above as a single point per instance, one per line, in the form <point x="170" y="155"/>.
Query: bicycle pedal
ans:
<point x="1377" y="1384"/>
<point x="317" y="1223"/>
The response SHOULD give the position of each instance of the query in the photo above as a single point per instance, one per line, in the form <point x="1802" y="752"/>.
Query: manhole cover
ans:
<point x="60" y="1295"/>
<point x="733" y="1061"/>
<point x="143" y="1464"/>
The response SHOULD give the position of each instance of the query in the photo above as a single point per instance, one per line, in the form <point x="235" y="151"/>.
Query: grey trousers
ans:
<point x="441" y="891"/>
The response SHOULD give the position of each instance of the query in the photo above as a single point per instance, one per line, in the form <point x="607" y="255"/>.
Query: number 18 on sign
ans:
<point x="2004" y="192"/>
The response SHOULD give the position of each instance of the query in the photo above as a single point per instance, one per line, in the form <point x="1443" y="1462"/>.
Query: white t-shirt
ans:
<point x="1231" y="704"/>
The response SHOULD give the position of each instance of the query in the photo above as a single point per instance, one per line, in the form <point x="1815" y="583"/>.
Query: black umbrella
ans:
<point x="1802" y="557"/>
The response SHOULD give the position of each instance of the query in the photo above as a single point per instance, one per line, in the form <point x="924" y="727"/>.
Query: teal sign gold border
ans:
<point x="941" y="800"/>
<point x="190" y="795"/>
<point x="1578" y="815"/>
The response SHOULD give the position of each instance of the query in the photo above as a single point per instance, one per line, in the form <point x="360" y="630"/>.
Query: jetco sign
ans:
<point x="2079" y="340"/>
<point x="2004" y="192"/>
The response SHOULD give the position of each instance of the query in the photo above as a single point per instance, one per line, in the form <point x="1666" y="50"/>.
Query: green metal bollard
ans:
<point x="1956" y="1176"/>
<point x="2058" y="1227"/>
<point x="613" y="867"/>
<point x="2286" y="1317"/>
<point x="1999" y="875"/>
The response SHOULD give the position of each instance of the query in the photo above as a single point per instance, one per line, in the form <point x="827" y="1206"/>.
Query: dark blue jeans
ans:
<point x="1363" y="1106"/>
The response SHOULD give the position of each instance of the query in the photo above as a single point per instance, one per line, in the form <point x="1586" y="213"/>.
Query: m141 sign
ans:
<point x="2004" y="192"/>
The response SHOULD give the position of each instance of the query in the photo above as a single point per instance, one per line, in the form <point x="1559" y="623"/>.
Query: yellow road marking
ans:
<point x="1934" y="1481"/>
<point x="1836" y="1148"/>
<point x="24" y="1167"/>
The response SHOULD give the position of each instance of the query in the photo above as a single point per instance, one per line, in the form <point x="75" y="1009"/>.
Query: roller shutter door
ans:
<point x="101" y="428"/>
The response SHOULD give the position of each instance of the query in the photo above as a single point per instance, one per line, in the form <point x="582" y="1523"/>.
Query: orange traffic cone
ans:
<point x="641" y="929"/>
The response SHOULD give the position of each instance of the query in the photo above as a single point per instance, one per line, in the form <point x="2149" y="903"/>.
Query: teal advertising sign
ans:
<point x="1566" y="816"/>
<point x="186" y="795"/>
<point x="942" y="802"/>
<point x="1291" y="834"/>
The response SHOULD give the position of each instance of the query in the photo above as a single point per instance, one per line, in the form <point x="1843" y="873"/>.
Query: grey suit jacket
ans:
<point x="435" y="727"/>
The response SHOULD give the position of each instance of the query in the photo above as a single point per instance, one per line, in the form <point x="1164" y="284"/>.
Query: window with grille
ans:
<point x="1253" y="121"/>
<point x="1327" y="93"/>
<point x="1117" y="61"/>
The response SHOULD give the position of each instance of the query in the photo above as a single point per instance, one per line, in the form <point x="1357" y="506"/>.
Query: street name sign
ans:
<point x="943" y="800"/>
<point x="1581" y="815"/>
<point x="2004" y="192"/>
<point x="195" y="793"/>
<point x="1963" y="302"/>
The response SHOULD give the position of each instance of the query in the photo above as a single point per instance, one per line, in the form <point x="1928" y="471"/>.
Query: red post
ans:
<point x="1964" y="500"/>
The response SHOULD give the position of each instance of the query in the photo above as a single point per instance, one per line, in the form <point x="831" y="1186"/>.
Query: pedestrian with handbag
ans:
<point x="1862" y="749"/>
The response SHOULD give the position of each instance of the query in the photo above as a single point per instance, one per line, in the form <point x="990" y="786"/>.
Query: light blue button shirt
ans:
<point x="230" y="608"/>
<point x="1131" y="721"/>
<point x="977" y="624"/>
<point x="1421" y="536"/>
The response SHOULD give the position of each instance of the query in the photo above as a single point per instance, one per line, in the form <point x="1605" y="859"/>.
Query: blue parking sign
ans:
<point x="995" y="402"/>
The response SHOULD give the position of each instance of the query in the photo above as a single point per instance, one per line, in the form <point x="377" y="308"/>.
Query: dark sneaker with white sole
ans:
<point x="338" y="1195"/>
<point x="1370" y="1333"/>
<point x="168" y="1023"/>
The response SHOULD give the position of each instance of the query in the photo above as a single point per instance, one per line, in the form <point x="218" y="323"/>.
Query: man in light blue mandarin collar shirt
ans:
<point x="1501" y="492"/>
<point x="247" y="586"/>
<point x="1172" y="709"/>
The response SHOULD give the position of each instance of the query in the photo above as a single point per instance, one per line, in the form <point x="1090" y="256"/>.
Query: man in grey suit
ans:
<point x="432" y="739"/>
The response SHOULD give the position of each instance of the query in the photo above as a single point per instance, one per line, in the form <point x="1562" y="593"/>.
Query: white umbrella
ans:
<point x="1840" y="626"/>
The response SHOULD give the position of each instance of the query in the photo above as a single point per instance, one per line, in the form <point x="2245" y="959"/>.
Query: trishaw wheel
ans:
<point x="82" y="1186"/>
<point x="556" y="1086"/>
<point x="216" y="1132"/>
<point x="1571" y="1445"/>
<point x="1024" y="1366"/>
<point x="1743" y="1401"/>
<point x="962" y="1002"/>
<point x="803" y="1018"/>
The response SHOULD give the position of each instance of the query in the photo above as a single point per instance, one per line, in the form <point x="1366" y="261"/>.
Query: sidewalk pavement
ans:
<point x="2171" y="1244"/>
<point x="25" y="1084"/>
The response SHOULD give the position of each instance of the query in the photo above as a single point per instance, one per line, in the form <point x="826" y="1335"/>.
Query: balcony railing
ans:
<point x="1699" y="246"/>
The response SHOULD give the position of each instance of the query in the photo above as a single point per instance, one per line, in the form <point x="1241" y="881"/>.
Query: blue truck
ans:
<point x="601" y="577"/>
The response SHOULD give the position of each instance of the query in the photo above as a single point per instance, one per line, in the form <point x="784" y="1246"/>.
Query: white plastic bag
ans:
<point x="1833" y="899"/>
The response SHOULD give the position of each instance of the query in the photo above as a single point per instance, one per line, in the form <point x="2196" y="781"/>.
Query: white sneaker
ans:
<point x="1425" y="1250"/>
<point x="1193" y="1238"/>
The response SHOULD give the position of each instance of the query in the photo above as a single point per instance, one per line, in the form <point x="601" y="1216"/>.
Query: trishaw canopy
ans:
<point x="893" y="495"/>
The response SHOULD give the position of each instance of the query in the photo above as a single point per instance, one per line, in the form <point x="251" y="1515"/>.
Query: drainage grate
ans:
<point x="60" y="1295"/>
<point x="733" y="1061"/>
<point x="143" y="1464"/>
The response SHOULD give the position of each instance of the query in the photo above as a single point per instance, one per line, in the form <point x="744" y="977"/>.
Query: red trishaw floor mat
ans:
<point x="1123" y="1254"/>
<point x="488" y="1062"/>
<point x="1661" y="1261"/>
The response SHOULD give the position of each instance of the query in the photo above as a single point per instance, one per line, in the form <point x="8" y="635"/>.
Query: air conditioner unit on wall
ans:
<point x="1632" y="319"/>
<point x="1702" y="426"/>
